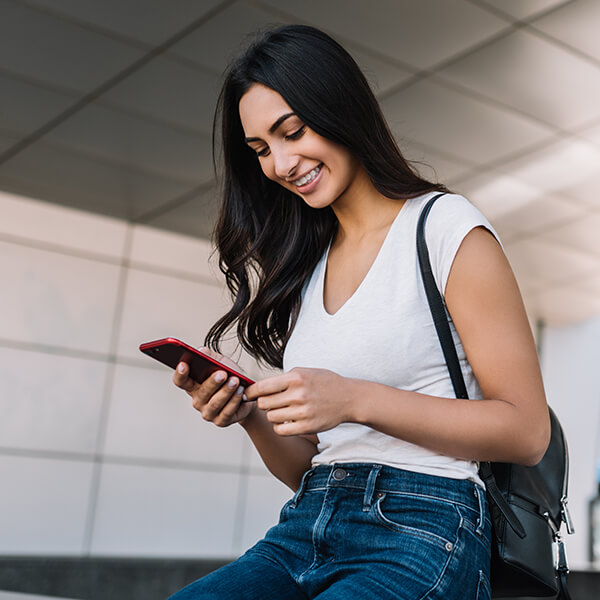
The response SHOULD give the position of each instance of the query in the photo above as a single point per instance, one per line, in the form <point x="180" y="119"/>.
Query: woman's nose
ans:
<point x="284" y="164"/>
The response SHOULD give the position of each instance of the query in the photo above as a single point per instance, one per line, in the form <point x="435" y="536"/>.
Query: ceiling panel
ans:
<point x="149" y="21"/>
<point x="433" y="165"/>
<point x="420" y="34"/>
<point x="582" y="234"/>
<point x="381" y="74"/>
<point x="171" y="92"/>
<point x="576" y="24"/>
<point x="545" y="261"/>
<point x="7" y="140"/>
<point x="24" y="106"/>
<point x="564" y="305"/>
<point x="132" y="140"/>
<point x="497" y="194"/>
<point x="558" y="166"/>
<point x="195" y="217"/>
<point x="522" y="9"/>
<point x="52" y="51"/>
<point x="585" y="192"/>
<point x="216" y="42"/>
<point x="536" y="216"/>
<point x="591" y="133"/>
<point x="458" y="125"/>
<point x="73" y="179"/>
<point x="533" y="76"/>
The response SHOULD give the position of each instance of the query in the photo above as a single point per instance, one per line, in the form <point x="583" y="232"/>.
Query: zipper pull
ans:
<point x="566" y="515"/>
<point x="560" y="558"/>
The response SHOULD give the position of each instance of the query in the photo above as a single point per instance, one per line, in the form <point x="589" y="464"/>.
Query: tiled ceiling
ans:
<point x="107" y="106"/>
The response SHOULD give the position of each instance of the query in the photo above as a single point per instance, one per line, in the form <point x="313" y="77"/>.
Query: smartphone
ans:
<point x="171" y="352"/>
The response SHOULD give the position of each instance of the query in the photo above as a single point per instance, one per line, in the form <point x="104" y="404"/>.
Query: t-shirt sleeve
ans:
<point x="451" y="218"/>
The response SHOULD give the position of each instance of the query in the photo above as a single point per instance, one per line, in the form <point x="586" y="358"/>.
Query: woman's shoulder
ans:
<point x="453" y="215"/>
<point x="451" y="218"/>
<point x="448" y="204"/>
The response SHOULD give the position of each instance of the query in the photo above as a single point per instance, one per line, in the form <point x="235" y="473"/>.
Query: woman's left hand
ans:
<point x="302" y="401"/>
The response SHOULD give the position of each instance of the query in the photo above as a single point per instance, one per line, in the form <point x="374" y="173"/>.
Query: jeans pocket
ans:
<point x="484" y="590"/>
<point x="430" y="519"/>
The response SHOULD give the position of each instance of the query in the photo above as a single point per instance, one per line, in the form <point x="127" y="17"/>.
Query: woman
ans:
<point x="316" y="237"/>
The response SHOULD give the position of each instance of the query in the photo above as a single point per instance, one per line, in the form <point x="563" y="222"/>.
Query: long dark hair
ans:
<point x="268" y="239"/>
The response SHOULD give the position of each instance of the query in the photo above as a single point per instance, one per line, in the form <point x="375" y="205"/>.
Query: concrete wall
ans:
<point x="99" y="453"/>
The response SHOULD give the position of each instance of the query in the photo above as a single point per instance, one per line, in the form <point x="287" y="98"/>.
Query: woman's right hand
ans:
<point x="218" y="399"/>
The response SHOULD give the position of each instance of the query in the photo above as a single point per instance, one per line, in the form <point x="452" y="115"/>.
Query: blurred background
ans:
<point x="107" y="202"/>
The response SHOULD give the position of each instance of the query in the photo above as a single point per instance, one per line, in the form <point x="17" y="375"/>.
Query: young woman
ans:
<point x="316" y="237"/>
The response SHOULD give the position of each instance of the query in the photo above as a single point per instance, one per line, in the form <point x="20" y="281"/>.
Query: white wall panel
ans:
<point x="43" y="505"/>
<point x="156" y="248"/>
<point x="147" y="511"/>
<point x="151" y="418"/>
<point x="52" y="224"/>
<point x="49" y="402"/>
<point x="55" y="299"/>
<point x="158" y="306"/>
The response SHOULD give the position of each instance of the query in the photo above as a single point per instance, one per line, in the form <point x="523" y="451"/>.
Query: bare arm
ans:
<point x="511" y="424"/>
<point x="287" y="458"/>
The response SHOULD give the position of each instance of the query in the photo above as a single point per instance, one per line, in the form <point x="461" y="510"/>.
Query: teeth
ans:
<point x="308" y="177"/>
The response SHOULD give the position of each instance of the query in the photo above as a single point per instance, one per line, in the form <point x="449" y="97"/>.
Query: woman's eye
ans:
<point x="262" y="152"/>
<point x="298" y="133"/>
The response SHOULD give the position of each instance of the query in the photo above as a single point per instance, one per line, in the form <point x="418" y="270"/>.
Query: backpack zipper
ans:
<point x="564" y="501"/>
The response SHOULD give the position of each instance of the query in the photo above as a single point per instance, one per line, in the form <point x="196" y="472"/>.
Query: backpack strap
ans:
<point x="438" y="312"/>
<point x="436" y="305"/>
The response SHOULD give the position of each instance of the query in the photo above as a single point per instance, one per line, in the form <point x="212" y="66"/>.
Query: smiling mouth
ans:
<point x="308" y="177"/>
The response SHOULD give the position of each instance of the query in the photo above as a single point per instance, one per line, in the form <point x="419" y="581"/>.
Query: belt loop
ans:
<point x="300" y="490"/>
<point x="370" y="488"/>
<point x="479" y="492"/>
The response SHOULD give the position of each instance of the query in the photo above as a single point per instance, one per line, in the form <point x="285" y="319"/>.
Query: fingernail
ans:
<point x="239" y="390"/>
<point x="232" y="383"/>
<point x="220" y="377"/>
<point x="180" y="367"/>
<point x="244" y="398"/>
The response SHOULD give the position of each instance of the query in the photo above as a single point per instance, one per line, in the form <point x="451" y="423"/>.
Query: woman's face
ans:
<point x="290" y="153"/>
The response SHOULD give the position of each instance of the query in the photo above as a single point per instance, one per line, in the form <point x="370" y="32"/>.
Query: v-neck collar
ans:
<point x="350" y="299"/>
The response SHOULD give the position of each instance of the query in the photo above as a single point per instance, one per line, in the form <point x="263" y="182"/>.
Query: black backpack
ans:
<point x="527" y="504"/>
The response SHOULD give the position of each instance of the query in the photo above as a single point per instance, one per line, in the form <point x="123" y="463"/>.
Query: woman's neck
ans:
<point x="363" y="211"/>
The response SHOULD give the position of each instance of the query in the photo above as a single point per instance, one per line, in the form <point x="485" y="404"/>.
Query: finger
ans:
<point x="283" y="415"/>
<point x="288" y="428"/>
<point x="213" y="407"/>
<point x="181" y="378"/>
<point x="227" y="414"/>
<point x="201" y="392"/>
<point x="267" y="387"/>
<point x="276" y="401"/>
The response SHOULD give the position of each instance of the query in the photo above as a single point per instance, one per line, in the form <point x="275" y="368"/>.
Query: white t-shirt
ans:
<point x="384" y="333"/>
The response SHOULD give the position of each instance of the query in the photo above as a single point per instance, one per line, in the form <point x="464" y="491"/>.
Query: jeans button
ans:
<point x="339" y="474"/>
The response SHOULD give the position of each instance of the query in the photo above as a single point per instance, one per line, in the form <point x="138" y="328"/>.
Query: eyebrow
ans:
<point x="273" y="127"/>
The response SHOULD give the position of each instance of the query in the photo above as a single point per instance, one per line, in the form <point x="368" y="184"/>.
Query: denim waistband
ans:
<point x="375" y="478"/>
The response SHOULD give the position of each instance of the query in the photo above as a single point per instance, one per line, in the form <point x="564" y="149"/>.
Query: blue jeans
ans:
<point x="365" y="531"/>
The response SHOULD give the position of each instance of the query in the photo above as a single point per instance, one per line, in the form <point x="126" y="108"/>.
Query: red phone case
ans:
<point x="171" y="351"/>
